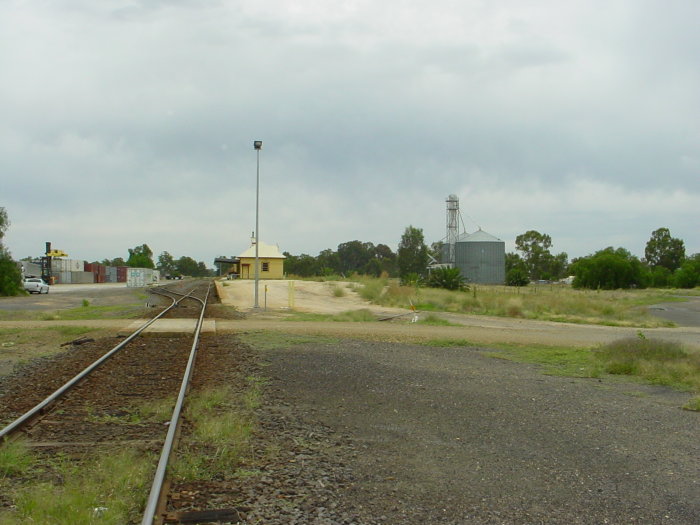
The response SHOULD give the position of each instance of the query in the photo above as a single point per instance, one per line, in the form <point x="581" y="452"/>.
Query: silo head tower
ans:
<point x="452" y="227"/>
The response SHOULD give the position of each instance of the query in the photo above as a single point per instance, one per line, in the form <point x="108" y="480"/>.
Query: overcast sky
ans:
<point x="131" y="122"/>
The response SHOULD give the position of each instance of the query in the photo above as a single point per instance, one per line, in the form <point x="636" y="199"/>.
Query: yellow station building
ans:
<point x="270" y="258"/>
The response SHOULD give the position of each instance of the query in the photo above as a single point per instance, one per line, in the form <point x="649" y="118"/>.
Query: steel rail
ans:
<point x="159" y="478"/>
<point x="27" y="416"/>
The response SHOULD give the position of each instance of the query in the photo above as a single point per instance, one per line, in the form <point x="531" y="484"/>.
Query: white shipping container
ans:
<point x="67" y="265"/>
<point x="59" y="265"/>
<point x="135" y="277"/>
<point x="31" y="269"/>
<point x="64" y="278"/>
<point x="138" y="277"/>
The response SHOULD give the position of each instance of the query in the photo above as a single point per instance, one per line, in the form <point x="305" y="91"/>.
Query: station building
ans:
<point x="270" y="258"/>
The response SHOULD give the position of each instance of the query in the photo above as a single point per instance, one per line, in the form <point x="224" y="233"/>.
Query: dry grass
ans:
<point x="549" y="303"/>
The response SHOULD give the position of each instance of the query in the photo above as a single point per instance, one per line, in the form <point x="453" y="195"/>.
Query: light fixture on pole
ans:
<point x="257" y="144"/>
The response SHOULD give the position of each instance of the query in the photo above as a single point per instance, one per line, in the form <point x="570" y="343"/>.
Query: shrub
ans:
<point x="10" y="275"/>
<point x="411" y="279"/>
<point x="514" y="307"/>
<point x="517" y="277"/>
<point x="447" y="278"/>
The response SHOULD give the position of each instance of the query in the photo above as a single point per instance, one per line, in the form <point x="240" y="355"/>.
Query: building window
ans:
<point x="266" y="267"/>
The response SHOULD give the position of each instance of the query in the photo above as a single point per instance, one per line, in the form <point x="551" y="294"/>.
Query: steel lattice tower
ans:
<point x="452" y="227"/>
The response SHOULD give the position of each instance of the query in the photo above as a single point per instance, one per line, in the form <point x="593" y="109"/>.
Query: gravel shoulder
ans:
<point x="448" y="435"/>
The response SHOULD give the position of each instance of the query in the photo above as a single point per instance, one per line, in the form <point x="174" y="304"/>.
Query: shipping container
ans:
<point x="111" y="276"/>
<point x="64" y="278"/>
<point x="98" y="270"/>
<point x="59" y="265"/>
<point x="30" y="269"/>
<point x="67" y="265"/>
<point x="121" y="273"/>
<point x="138" y="277"/>
<point x="82" y="277"/>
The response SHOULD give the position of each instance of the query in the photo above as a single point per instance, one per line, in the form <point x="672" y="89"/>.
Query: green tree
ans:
<point x="140" y="257"/>
<point x="386" y="259"/>
<point x="608" y="269"/>
<point x="514" y="261"/>
<point x="203" y="271"/>
<point x="166" y="264"/>
<point x="187" y="266"/>
<point x="303" y="265"/>
<point x="4" y="222"/>
<point x="688" y="275"/>
<point x="354" y="256"/>
<point x="10" y="274"/>
<point x="412" y="256"/>
<point x="117" y="261"/>
<point x="659" y="276"/>
<point x="535" y="249"/>
<point x="328" y="262"/>
<point x="538" y="260"/>
<point x="517" y="276"/>
<point x="664" y="250"/>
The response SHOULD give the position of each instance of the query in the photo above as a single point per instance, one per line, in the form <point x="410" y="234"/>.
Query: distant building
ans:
<point x="481" y="257"/>
<point x="270" y="258"/>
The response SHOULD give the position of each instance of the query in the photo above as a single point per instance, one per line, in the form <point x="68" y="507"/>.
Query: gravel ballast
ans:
<point x="449" y="435"/>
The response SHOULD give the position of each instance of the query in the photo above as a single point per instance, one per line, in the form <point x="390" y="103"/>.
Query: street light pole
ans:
<point x="258" y="146"/>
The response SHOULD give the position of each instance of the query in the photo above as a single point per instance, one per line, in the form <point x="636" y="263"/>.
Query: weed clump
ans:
<point x="659" y="362"/>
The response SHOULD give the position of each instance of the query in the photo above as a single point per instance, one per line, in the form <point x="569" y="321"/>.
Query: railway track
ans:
<point x="80" y="414"/>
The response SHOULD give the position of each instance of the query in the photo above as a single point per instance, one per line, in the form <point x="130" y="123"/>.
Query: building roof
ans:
<point x="478" y="236"/>
<point x="268" y="251"/>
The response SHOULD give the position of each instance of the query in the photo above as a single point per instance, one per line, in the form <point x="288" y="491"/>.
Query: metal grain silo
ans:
<point x="481" y="257"/>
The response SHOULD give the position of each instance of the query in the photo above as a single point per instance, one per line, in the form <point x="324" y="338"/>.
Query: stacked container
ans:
<point x="98" y="270"/>
<point x="111" y="276"/>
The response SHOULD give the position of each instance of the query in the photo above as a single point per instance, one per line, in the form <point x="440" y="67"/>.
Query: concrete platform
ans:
<point x="171" y="327"/>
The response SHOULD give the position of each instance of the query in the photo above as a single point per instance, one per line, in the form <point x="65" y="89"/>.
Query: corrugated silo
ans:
<point x="481" y="257"/>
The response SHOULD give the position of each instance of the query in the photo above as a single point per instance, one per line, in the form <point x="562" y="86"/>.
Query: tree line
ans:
<point x="665" y="264"/>
<point x="142" y="257"/>
<point x="365" y="258"/>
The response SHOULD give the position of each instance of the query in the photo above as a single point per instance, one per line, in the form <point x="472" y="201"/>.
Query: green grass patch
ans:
<point x="19" y="345"/>
<point x="362" y="315"/>
<point x="434" y="320"/>
<point x="449" y="343"/>
<point x="110" y="489"/>
<point x="648" y="360"/>
<point x="338" y="291"/>
<point x="693" y="404"/>
<point x="93" y="312"/>
<point x="656" y="361"/>
<point x="560" y="361"/>
<point x="15" y="458"/>
<point x="222" y="423"/>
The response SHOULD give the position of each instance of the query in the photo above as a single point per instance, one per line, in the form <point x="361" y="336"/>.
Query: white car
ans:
<point x="35" y="285"/>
